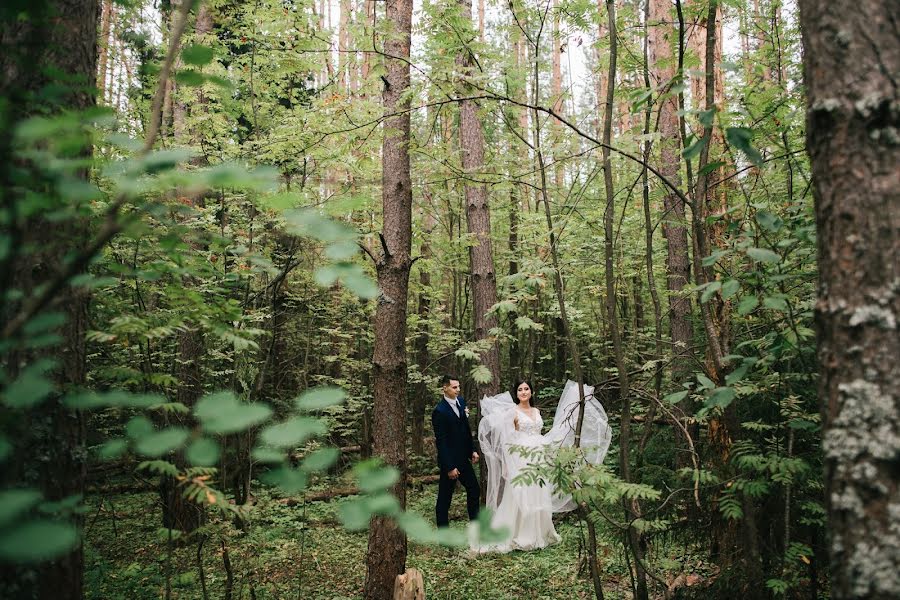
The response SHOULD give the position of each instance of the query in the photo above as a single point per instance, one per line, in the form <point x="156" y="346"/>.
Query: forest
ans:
<point x="243" y="243"/>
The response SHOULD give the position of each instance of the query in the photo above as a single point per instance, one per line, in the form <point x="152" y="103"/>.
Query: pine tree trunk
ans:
<point x="662" y="42"/>
<point x="632" y="508"/>
<point x="105" y="20"/>
<point x="851" y="53"/>
<point x="478" y="218"/>
<point x="49" y="439"/>
<point x="386" y="555"/>
<point x="422" y="394"/>
<point x="177" y="511"/>
<point x="344" y="57"/>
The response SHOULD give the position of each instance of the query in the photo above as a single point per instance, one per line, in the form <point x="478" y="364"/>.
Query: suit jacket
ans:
<point x="452" y="436"/>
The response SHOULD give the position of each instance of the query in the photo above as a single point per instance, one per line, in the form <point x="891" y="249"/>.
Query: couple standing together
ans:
<point x="508" y="425"/>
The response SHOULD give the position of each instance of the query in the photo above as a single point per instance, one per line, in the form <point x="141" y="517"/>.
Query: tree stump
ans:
<point x="409" y="586"/>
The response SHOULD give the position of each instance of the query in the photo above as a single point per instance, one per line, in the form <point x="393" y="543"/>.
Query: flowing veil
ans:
<point x="496" y="434"/>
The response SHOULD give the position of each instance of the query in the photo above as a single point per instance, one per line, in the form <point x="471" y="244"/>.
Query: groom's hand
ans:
<point x="454" y="474"/>
<point x="474" y="457"/>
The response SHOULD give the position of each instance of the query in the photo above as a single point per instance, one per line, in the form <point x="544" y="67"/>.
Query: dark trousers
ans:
<point x="445" y="494"/>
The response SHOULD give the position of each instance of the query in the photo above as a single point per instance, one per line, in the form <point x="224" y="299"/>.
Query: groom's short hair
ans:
<point x="446" y="378"/>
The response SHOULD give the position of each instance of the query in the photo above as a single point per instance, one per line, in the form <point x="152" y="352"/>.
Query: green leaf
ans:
<point x="291" y="433"/>
<point x="5" y="448"/>
<point x="481" y="374"/>
<point x="320" y="460"/>
<point x="466" y="354"/>
<point x="729" y="288"/>
<point x="676" y="397"/>
<point x="383" y="504"/>
<point x="706" y="117"/>
<point x="118" y="398"/>
<point x="289" y="480"/>
<point x="308" y="222"/>
<point x="694" y="149"/>
<point x="775" y="303"/>
<point x="267" y="455"/>
<point x="705" y="382"/>
<point x="138" y="427"/>
<point x="113" y="448"/>
<point x="711" y="167"/>
<point x="803" y="425"/>
<point x="747" y="305"/>
<point x="223" y="413"/>
<point x="92" y="282"/>
<point x="341" y="250"/>
<point x="219" y="81"/>
<point x="710" y="290"/>
<point x="740" y="138"/>
<point x="721" y="397"/>
<point x="486" y="534"/>
<point x="162" y="442"/>
<point x="740" y="372"/>
<point x="160" y="467"/>
<point x="525" y="323"/>
<point x="190" y="78"/>
<point x="197" y="55"/>
<point x="14" y="503"/>
<point x="319" y="398"/>
<point x="417" y="528"/>
<point x="763" y="255"/>
<point x="360" y="284"/>
<point x="203" y="452"/>
<point x="44" y="322"/>
<point x="713" y="258"/>
<point x="326" y="276"/>
<point x="32" y="386"/>
<point x="37" y="541"/>
<point x="378" y="478"/>
<point x="354" y="514"/>
<point x="768" y="220"/>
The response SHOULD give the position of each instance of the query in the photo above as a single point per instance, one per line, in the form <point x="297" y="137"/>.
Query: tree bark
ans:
<point x="424" y="310"/>
<point x="105" y="21"/>
<point x="386" y="555"/>
<point x="177" y="511"/>
<point x="851" y="61"/>
<point x="478" y="217"/>
<point x="631" y="506"/>
<point x="664" y="76"/>
<point x="50" y="438"/>
<point x="345" y="77"/>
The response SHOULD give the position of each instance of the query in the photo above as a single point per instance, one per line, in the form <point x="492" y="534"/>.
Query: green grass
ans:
<point x="303" y="552"/>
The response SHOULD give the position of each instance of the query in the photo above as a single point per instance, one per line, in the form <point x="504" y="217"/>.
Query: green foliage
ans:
<point x="223" y="413"/>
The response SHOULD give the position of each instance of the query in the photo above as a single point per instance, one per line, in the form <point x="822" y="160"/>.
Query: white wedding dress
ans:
<point x="526" y="509"/>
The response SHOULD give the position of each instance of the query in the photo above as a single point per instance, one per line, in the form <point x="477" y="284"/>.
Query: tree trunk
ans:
<point x="105" y="21"/>
<point x="386" y="555"/>
<point x="344" y="56"/>
<point x="422" y="394"/>
<point x="631" y="506"/>
<point x="851" y="60"/>
<point x="478" y="218"/>
<point x="674" y="227"/>
<point x="50" y="452"/>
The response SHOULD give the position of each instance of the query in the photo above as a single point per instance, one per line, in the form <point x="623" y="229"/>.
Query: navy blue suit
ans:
<point x="453" y="439"/>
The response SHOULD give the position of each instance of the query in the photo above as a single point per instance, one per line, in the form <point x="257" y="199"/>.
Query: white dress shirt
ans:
<point x="454" y="404"/>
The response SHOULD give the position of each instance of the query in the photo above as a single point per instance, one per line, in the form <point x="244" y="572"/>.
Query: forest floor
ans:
<point x="300" y="550"/>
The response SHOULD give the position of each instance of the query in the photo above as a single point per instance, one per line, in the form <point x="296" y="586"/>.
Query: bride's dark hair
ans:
<point x="515" y="390"/>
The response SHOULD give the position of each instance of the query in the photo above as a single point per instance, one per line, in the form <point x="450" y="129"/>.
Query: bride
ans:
<point x="511" y="440"/>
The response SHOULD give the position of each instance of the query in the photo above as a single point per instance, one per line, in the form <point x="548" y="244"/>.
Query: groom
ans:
<point x="453" y="438"/>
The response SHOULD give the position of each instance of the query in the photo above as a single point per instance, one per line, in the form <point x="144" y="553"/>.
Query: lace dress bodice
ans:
<point x="528" y="424"/>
